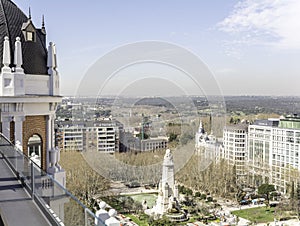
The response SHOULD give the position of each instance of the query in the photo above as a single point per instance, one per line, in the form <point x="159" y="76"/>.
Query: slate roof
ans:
<point x="34" y="53"/>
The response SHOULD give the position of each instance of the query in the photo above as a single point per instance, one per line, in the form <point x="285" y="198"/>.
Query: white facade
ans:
<point x="168" y="189"/>
<point x="100" y="136"/>
<point x="274" y="150"/>
<point x="259" y="153"/>
<point x="235" y="149"/>
<point x="107" y="139"/>
<point x="25" y="95"/>
<point x="207" y="146"/>
<point x="72" y="138"/>
<point x="154" y="143"/>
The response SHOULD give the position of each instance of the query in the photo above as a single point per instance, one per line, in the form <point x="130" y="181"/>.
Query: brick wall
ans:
<point x="35" y="125"/>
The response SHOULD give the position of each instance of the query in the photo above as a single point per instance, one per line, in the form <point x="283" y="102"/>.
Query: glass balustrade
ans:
<point x="55" y="201"/>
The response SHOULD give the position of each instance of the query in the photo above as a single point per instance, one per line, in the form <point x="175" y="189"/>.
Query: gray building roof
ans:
<point x="34" y="52"/>
<point x="266" y="122"/>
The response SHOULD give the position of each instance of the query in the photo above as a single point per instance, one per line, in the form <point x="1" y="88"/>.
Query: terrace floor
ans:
<point x="16" y="205"/>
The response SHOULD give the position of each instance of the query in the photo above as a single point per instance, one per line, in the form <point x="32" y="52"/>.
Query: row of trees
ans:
<point x="219" y="178"/>
<point x="82" y="180"/>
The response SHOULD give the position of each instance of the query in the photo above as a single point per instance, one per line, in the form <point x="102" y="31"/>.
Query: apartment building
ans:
<point x="103" y="136"/>
<point x="235" y="149"/>
<point x="70" y="137"/>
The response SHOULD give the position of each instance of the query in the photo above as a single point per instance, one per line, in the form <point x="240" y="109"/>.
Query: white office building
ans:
<point x="274" y="147"/>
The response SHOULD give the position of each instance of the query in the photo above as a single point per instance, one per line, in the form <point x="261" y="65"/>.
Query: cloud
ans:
<point x="268" y="22"/>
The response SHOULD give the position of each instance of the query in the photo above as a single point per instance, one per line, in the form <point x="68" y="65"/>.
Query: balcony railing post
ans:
<point x="32" y="180"/>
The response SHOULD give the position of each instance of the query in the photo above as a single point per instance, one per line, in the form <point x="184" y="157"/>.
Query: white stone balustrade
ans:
<point x="107" y="217"/>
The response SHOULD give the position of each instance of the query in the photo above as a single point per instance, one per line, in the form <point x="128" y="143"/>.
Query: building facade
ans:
<point x="266" y="151"/>
<point x="29" y="85"/>
<point x="259" y="151"/>
<point x="274" y="148"/>
<point x="103" y="136"/>
<point x="154" y="143"/>
<point x="235" y="149"/>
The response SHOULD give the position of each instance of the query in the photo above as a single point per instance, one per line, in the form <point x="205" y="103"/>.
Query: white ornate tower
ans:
<point x="29" y="88"/>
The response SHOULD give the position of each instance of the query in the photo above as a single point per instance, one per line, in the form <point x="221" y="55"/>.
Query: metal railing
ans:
<point x="57" y="204"/>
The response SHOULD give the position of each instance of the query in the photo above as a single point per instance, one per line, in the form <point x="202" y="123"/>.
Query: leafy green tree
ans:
<point x="164" y="221"/>
<point x="298" y="199"/>
<point x="172" y="137"/>
<point x="197" y="194"/>
<point x="266" y="189"/>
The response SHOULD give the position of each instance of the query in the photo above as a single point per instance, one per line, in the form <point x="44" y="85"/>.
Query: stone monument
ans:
<point x="167" y="202"/>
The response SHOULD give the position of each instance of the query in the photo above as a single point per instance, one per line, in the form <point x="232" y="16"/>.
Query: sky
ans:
<point x="250" y="47"/>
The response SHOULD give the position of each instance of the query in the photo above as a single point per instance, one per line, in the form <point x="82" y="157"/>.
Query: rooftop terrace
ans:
<point x="30" y="196"/>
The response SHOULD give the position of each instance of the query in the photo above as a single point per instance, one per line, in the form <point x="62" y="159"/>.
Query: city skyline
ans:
<point x="250" y="46"/>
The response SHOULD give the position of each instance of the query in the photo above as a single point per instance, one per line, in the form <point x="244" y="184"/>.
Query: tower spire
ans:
<point x="43" y="21"/>
<point x="201" y="129"/>
<point x="29" y="14"/>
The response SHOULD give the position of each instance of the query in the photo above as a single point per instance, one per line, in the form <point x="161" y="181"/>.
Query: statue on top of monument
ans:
<point x="168" y="158"/>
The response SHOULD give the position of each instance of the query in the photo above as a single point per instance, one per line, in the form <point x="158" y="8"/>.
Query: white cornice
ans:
<point x="30" y="99"/>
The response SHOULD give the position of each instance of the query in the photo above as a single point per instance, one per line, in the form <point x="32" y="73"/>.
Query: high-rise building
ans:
<point x="235" y="149"/>
<point x="274" y="148"/>
<point x="259" y="151"/>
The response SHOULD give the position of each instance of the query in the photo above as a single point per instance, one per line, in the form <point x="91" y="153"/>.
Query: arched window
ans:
<point x="35" y="149"/>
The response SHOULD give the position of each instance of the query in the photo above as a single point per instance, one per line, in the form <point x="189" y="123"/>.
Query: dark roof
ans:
<point x="34" y="53"/>
<point x="266" y="122"/>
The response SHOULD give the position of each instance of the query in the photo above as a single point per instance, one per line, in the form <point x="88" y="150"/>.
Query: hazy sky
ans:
<point x="251" y="46"/>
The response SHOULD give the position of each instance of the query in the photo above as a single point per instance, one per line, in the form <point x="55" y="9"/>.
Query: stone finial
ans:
<point x="51" y="63"/>
<point x="6" y="55"/>
<point x="112" y="213"/>
<point x="18" y="59"/>
<point x="102" y="205"/>
<point x="112" y="221"/>
<point x="101" y="215"/>
<point x="53" y="157"/>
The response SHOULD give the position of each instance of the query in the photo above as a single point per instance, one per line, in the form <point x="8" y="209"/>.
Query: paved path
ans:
<point x="16" y="206"/>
